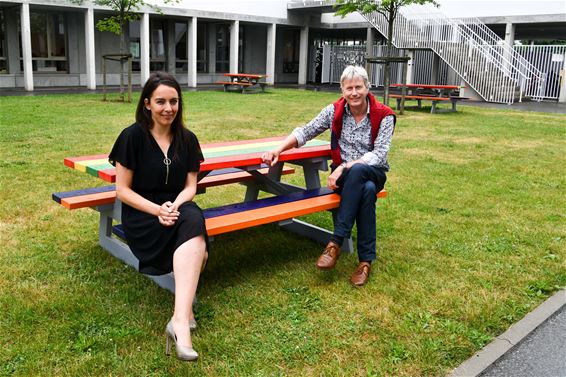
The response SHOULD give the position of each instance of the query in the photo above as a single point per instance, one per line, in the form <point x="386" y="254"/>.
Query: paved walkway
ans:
<point x="533" y="347"/>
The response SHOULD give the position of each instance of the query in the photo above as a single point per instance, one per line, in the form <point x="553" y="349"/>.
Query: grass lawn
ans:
<point x="470" y="239"/>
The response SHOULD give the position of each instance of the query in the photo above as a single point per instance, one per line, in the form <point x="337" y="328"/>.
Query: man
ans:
<point x="361" y="131"/>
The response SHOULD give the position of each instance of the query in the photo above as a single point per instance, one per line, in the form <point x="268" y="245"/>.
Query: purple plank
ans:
<point x="267" y="202"/>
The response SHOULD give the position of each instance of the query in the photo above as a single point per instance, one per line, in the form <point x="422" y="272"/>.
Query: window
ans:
<point x="134" y="38"/>
<point x="291" y="48"/>
<point x="3" y="66"/>
<point x="181" y="59"/>
<point x="202" y="50"/>
<point x="222" y="48"/>
<point x="48" y="42"/>
<point x="157" y="45"/>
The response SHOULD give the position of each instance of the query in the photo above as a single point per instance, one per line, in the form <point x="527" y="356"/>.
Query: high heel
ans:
<point x="192" y="324"/>
<point x="183" y="352"/>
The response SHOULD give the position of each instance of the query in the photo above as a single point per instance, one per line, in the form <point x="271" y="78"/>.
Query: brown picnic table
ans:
<point x="428" y="92"/>
<point x="243" y="82"/>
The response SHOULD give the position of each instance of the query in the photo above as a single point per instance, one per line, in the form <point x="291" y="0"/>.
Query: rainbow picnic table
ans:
<point x="288" y="202"/>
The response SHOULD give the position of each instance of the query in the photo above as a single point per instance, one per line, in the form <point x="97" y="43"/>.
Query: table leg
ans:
<point x="120" y="250"/>
<point x="315" y="233"/>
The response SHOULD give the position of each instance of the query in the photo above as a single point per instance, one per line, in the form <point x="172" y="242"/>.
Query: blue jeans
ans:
<point x="358" y="187"/>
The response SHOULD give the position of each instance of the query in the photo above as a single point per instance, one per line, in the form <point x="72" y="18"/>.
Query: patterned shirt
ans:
<point x="355" y="140"/>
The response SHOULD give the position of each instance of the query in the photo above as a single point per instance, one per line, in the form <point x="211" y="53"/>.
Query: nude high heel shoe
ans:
<point x="183" y="352"/>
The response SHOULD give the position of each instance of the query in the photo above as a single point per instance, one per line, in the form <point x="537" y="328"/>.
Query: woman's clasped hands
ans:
<point x="168" y="214"/>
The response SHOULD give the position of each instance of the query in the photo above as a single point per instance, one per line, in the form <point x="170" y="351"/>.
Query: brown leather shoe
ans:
<point x="329" y="256"/>
<point x="360" y="276"/>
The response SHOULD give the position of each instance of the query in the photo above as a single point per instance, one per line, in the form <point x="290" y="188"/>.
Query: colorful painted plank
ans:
<point x="107" y="195"/>
<point x="217" y="156"/>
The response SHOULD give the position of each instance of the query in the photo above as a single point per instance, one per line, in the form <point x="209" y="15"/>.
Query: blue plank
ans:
<point x="267" y="202"/>
<point x="57" y="196"/>
<point x="118" y="230"/>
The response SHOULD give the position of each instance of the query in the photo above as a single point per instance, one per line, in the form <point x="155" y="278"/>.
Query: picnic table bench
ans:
<point x="428" y="92"/>
<point x="224" y="163"/>
<point x="243" y="82"/>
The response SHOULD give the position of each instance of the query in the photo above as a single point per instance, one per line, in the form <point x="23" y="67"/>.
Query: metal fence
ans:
<point x="550" y="60"/>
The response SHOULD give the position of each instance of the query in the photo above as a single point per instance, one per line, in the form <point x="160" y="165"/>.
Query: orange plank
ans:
<point x="89" y="200"/>
<point x="261" y="216"/>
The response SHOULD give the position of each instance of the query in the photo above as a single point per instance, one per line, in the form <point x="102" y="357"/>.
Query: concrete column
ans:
<point x="411" y="67"/>
<point x="89" y="49"/>
<point x="192" y="52"/>
<point x="26" y="47"/>
<point x="12" y="43"/>
<point x="509" y="34"/>
<point x="270" y="58"/>
<point x="234" y="38"/>
<point x="509" y="40"/>
<point x="211" y="48"/>
<point x="171" y="42"/>
<point x="435" y="68"/>
<point x="144" y="48"/>
<point x="303" y="55"/>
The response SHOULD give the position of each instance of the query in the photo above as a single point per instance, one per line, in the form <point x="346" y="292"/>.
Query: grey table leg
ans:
<point x="120" y="250"/>
<point x="317" y="234"/>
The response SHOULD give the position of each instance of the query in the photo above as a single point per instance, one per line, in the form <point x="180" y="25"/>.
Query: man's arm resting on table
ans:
<point x="271" y="157"/>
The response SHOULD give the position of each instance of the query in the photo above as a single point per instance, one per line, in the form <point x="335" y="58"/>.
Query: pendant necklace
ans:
<point x="167" y="162"/>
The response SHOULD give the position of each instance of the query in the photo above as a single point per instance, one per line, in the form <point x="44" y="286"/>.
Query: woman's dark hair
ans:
<point x="143" y="115"/>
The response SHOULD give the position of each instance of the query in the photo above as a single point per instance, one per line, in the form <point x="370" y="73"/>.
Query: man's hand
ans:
<point x="332" y="178"/>
<point x="271" y="157"/>
<point x="168" y="214"/>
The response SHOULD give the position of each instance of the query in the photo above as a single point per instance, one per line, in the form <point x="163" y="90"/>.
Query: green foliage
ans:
<point x="388" y="8"/>
<point x="471" y="238"/>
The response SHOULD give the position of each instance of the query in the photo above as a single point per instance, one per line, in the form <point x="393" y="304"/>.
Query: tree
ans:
<point x="389" y="9"/>
<point x="124" y="12"/>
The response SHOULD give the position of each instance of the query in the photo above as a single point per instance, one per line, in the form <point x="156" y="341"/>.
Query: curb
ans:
<point x="488" y="355"/>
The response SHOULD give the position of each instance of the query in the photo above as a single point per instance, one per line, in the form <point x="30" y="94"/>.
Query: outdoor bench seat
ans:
<point x="244" y="215"/>
<point x="434" y="99"/>
<point x="96" y="196"/>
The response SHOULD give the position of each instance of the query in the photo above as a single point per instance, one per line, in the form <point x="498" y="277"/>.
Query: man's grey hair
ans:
<point x="353" y="71"/>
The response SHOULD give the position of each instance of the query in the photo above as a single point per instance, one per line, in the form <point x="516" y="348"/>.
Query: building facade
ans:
<point x="56" y="43"/>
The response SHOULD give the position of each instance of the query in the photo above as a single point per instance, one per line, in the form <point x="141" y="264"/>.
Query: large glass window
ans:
<point x="157" y="45"/>
<point x="222" y="48"/>
<point x="181" y="60"/>
<point x="134" y="40"/>
<point x="3" y="65"/>
<point x="202" y="48"/>
<point x="48" y="42"/>
<point x="291" y="51"/>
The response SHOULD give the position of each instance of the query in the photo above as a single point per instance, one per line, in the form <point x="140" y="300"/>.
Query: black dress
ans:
<point x="152" y="243"/>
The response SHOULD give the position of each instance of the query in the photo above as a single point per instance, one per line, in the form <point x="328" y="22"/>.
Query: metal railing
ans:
<point x="496" y="74"/>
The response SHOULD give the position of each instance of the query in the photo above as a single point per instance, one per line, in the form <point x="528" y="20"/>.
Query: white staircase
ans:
<point x="483" y="60"/>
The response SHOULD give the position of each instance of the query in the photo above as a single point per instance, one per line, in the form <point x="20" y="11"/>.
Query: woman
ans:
<point x="157" y="160"/>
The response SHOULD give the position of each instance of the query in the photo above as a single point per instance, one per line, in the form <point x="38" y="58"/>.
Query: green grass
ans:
<point x="471" y="238"/>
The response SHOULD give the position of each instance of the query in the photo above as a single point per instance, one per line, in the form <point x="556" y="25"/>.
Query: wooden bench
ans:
<point x="238" y="86"/>
<point x="244" y="215"/>
<point x="96" y="196"/>
<point x="434" y="100"/>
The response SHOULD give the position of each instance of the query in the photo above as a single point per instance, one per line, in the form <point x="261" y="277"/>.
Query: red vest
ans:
<point x="377" y="111"/>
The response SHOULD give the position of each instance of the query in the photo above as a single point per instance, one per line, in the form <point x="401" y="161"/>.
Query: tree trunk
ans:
<point x="387" y="71"/>
<point x="122" y="52"/>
